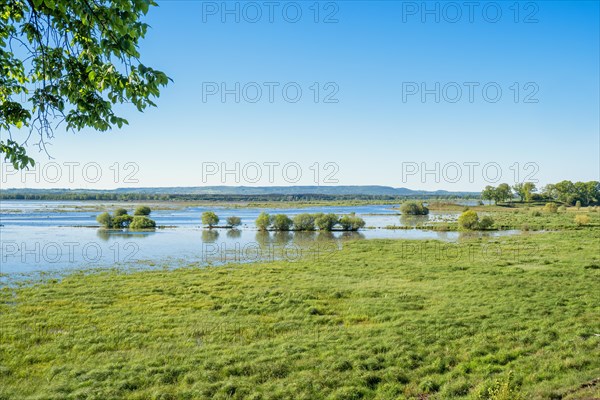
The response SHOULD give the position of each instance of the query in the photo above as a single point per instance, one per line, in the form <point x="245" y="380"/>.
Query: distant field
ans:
<point x="507" y="318"/>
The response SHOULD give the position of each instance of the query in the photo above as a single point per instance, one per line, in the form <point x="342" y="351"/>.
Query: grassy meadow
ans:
<point x="506" y="318"/>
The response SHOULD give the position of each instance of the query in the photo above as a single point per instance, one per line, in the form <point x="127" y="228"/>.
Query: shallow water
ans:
<point x="50" y="237"/>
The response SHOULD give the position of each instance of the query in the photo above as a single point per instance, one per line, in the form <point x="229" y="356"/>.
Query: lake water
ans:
<point x="54" y="237"/>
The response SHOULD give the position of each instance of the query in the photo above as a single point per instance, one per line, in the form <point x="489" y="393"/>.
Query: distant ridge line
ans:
<point x="365" y="190"/>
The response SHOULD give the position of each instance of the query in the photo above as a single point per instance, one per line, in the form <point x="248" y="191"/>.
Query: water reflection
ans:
<point x="413" y="220"/>
<point x="352" y="235"/>
<point x="324" y="236"/>
<point x="234" y="233"/>
<point x="210" y="235"/>
<point x="263" y="238"/>
<point x="107" y="234"/>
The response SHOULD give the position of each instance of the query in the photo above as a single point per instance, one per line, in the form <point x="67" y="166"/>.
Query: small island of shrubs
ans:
<point x="413" y="208"/>
<point x="120" y="219"/>
<point x="309" y="222"/>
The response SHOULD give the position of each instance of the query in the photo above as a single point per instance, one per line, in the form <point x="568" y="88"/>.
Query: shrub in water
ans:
<point x="263" y="221"/>
<point x="413" y="208"/>
<point x="120" y="211"/>
<point x="142" y="222"/>
<point x="351" y="222"/>
<point x="210" y="218"/>
<point x="142" y="210"/>
<point x="282" y="222"/>
<point x="326" y="222"/>
<point x="121" y="221"/>
<point x="104" y="219"/>
<point x="304" y="222"/>
<point x="234" y="221"/>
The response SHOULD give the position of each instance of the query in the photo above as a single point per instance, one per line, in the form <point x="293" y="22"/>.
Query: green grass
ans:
<point x="523" y="217"/>
<point x="508" y="318"/>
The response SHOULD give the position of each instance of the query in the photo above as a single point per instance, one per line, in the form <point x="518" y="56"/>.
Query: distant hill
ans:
<point x="254" y="190"/>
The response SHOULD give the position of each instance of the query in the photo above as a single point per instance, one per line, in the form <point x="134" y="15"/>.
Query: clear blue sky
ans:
<point x="370" y="54"/>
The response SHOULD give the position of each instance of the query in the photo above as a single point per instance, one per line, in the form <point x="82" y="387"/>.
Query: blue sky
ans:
<point x="376" y="132"/>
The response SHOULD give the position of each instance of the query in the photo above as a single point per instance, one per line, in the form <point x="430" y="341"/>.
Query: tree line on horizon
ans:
<point x="17" y="194"/>
<point x="566" y="192"/>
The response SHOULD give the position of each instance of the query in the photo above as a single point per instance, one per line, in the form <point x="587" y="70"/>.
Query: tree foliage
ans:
<point x="304" y="222"/>
<point x="234" y="221"/>
<point x="142" y="222"/>
<point x="326" y="222"/>
<point x="104" y="219"/>
<point x="142" y="210"/>
<point x="413" y="208"/>
<point x="70" y="61"/>
<point x="351" y="222"/>
<point x="567" y="192"/>
<point x="210" y="218"/>
<point x="282" y="222"/>
<point x="524" y="190"/>
<point x="468" y="220"/>
<point x="263" y="221"/>
<point x="120" y="211"/>
<point x="121" y="221"/>
<point x="499" y="194"/>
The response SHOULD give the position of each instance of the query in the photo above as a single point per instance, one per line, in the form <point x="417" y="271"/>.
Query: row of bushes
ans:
<point x="120" y="219"/>
<point x="211" y="219"/>
<point x="309" y="222"/>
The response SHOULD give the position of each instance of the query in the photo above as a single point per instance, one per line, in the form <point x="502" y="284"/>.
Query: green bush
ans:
<point x="234" y="221"/>
<point x="468" y="220"/>
<point x="263" y="221"/>
<point x="326" y="222"/>
<point x="351" y="222"/>
<point x="105" y="220"/>
<point x="119" y="212"/>
<point x="282" y="222"/>
<point x="142" y="222"/>
<point x="210" y="218"/>
<point x="536" y="213"/>
<point x="413" y="208"/>
<point x="304" y="222"/>
<point x="551" y="208"/>
<point x="142" y="210"/>
<point x="486" y="222"/>
<point x="121" y="221"/>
